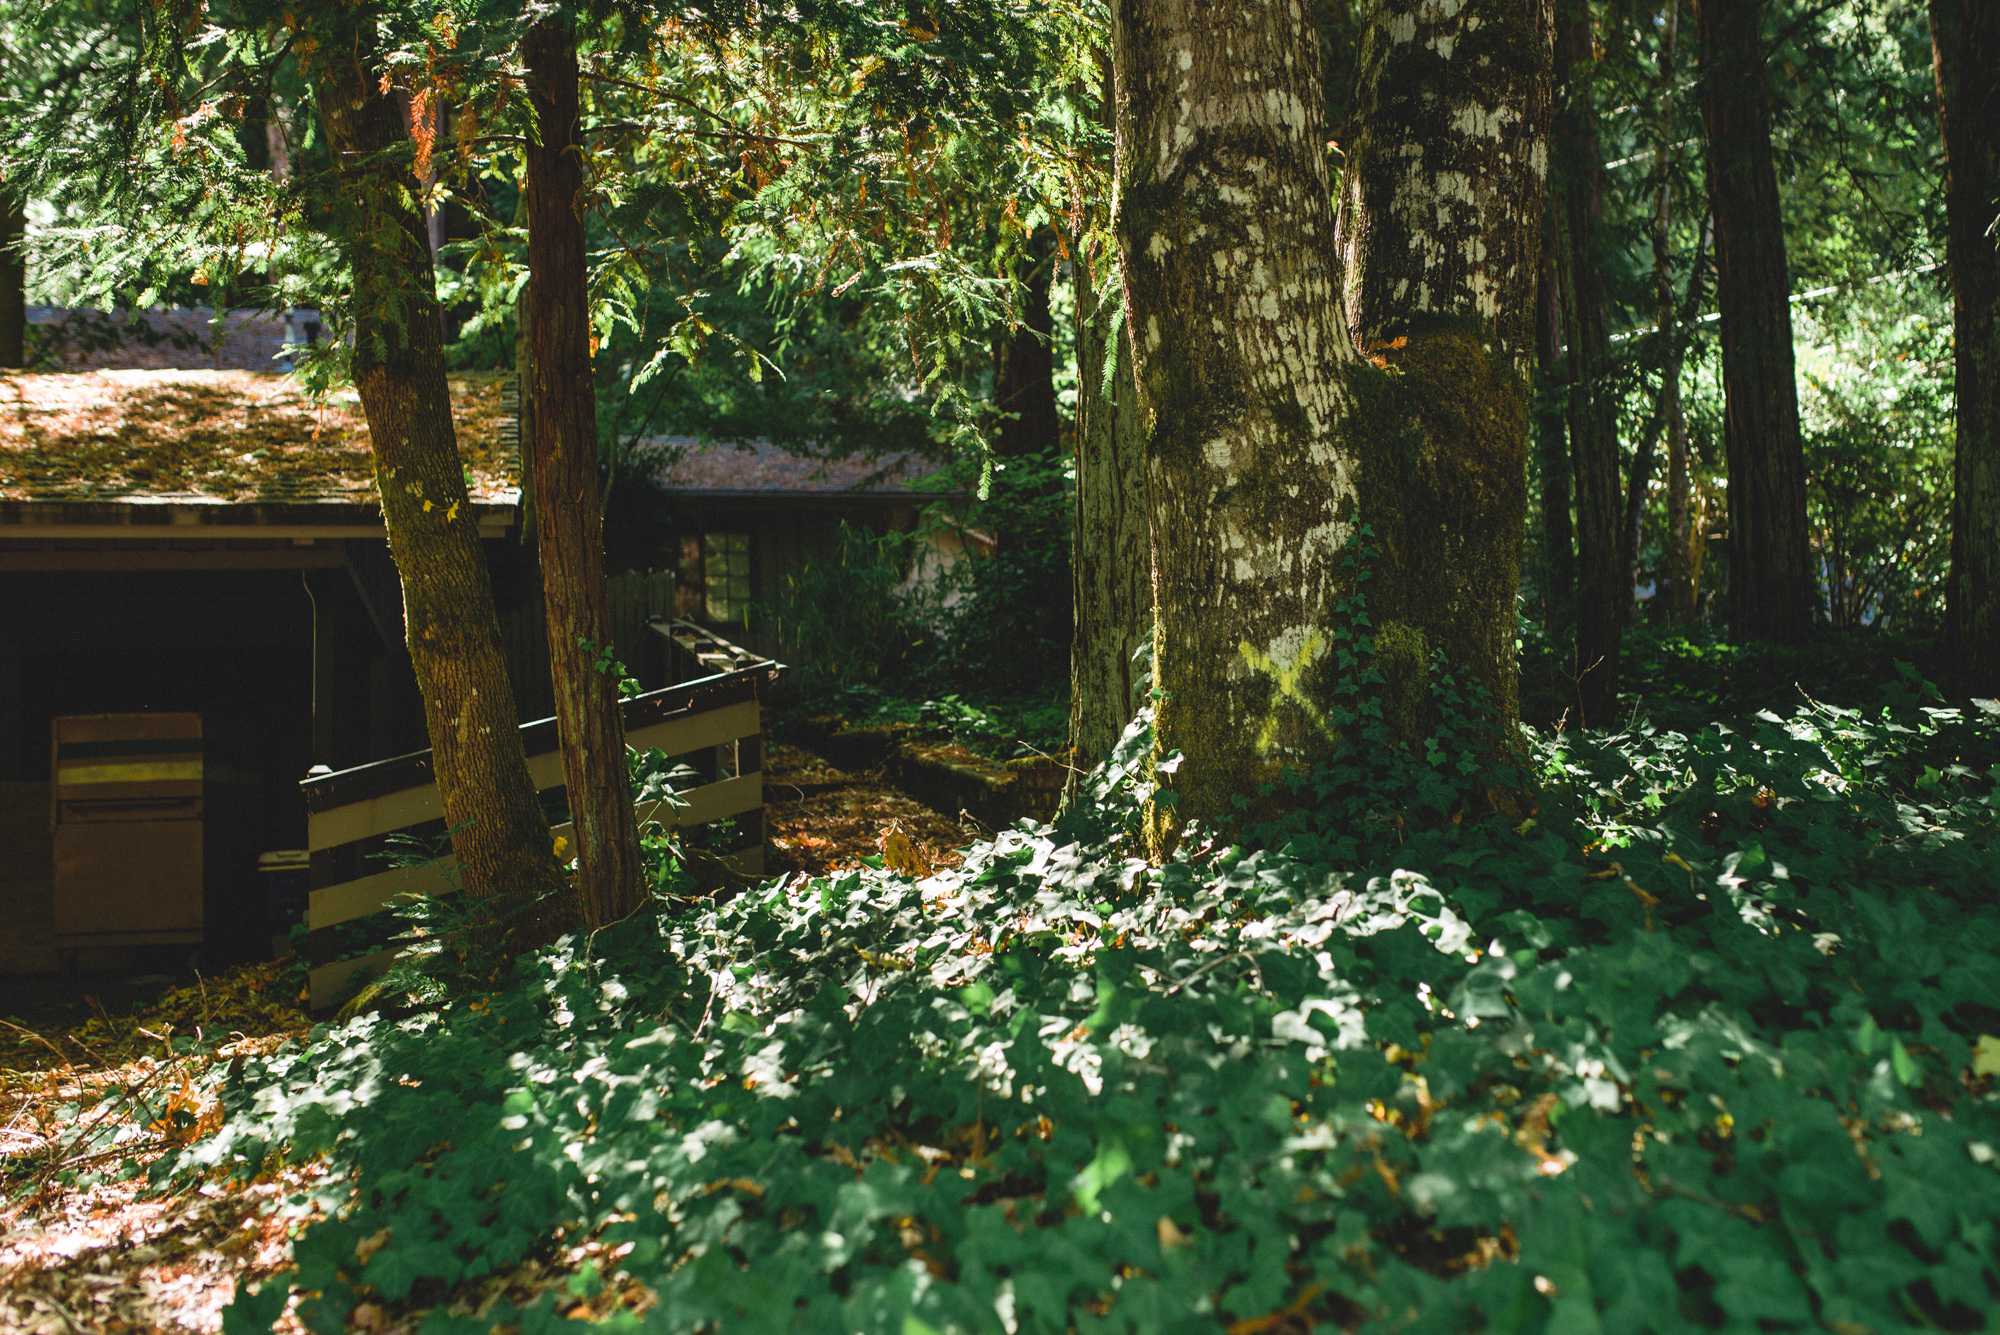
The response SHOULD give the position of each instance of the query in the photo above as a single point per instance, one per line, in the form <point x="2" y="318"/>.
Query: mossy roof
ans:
<point x="216" y="437"/>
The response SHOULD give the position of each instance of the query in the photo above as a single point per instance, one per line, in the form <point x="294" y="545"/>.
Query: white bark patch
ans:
<point x="1479" y="122"/>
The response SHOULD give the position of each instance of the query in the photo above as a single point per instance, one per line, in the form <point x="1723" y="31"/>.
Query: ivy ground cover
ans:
<point x="1704" y="1041"/>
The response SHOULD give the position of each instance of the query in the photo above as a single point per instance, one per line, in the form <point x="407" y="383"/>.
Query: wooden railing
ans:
<point x="714" y="724"/>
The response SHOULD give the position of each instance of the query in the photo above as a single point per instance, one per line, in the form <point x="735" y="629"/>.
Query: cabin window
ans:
<point x="726" y="576"/>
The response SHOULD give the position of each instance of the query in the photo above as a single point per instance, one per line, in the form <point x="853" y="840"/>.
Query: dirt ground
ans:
<point x="85" y="1249"/>
<point x="822" y="819"/>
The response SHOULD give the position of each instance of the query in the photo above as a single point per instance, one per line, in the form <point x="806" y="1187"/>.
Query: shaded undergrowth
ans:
<point x="1700" y="1035"/>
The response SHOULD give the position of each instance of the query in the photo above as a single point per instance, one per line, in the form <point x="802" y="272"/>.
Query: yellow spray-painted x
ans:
<point x="1287" y="677"/>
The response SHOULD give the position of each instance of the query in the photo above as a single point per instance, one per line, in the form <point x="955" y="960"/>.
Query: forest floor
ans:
<point x="86" y="1247"/>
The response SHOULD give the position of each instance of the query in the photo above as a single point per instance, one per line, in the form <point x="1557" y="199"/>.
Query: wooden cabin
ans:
<point x="210" y="542"/>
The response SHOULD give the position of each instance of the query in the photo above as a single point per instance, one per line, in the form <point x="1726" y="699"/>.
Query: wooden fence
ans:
<point x="714" y="724"/>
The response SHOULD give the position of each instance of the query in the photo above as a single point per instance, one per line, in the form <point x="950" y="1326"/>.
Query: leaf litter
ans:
<point x="89" y="1242"/>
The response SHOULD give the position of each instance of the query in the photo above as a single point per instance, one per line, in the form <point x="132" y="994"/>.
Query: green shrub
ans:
<point x="849" y="617"/>
<point x="1706" y="1040"/>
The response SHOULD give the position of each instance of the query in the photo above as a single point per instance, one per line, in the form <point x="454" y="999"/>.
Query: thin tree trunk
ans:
<point x="13" y="281"/>
<point x="1552" y="451"/>
<point x="500" y="837"/>
<point x="1667" y="336"/>
<point x="1024" y="360"/>
<point x="1771" y="585"/>
<point x="1602" y="595"/>
<point x="1678" y="587"/>
<point x="569" y="521"/>
<point x="1112" y="548"/>
<point x="1680" y="567"/>
<point x="1965" y="37"/>
<point x="1271" y="441"/>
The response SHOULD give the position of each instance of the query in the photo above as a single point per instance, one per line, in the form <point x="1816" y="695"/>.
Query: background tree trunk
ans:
<point x="569" y="519"/>
<point x="501" y="839"/>
<point x="1024" y="360"/>
<point x="1666" y="337"/>
<point x="1440" y="238"/>
<point x="1678" y="582"/>
<point x="1771" y="584"/>
<point x="1602" y="594"/>
<point x="1269" y="438"/>
<point x="1552" y="456"/>
<point x="1112" y="549"/>
<point x="1965" y="37"/>
<point x="13" y="281"/>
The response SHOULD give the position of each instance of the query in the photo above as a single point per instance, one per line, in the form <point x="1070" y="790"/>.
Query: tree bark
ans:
<point x="1271" y="438"/>
<point x="1112" y="547"/>
<point x="1678" y="577"/>
<point x="569" y="520"/>
<point x="1440" y="234"/>
<point x="13" y="281"/>
<point x="1771" y="584"/>
<point x="1602" y="595"/>
<point x="1965" y="37"/>
<point x="1024" y="360"/>
<point x="1666" y="338"/>
<point x="500" y="837"/>
<point x="1552" y="454"/>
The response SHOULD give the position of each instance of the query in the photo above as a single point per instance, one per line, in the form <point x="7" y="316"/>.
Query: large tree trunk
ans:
<point x="1602" y="594"/>
<point x="1112" y="548"/>
<point x="13" y="281"/>
<point x="1440" y="233"/>
<point x="500" y="837"/>
<point x="569" y="520"/>
<point x="1771" y="586"/>
<point x="1965" y="37"/>
<point x="1271" y="440"/>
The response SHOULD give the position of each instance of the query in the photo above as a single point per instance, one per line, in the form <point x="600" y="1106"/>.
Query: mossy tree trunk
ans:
<point x="569" y="519"/>
<point x="1440" y="233"/>
<point x="501" y="839"/>
<point x="1111" y="540"/>
<point x="1112" y="549"/>
<point x="1771" y="584"/>
<point x="1296" y="385"/>
<point x="1965" y="36"/>
<point x="1602" y="595"/>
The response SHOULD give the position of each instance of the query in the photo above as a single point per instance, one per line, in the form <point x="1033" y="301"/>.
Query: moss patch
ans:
<point x="1439" y="431"/>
